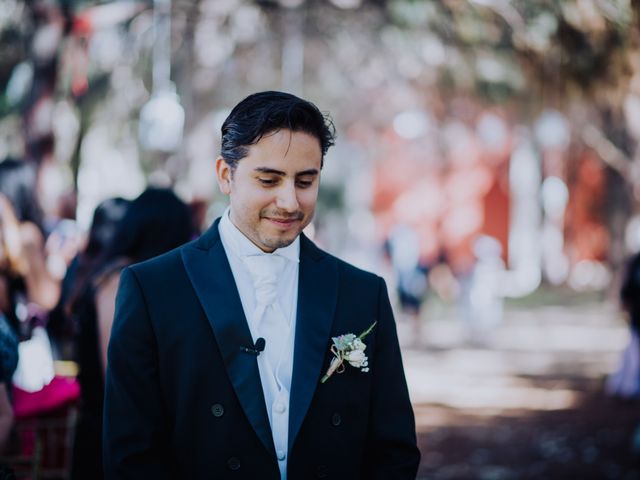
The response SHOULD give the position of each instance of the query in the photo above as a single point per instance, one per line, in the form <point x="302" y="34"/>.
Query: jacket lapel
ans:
<point x="208" y="269"/>
<point x="317" y="296"/>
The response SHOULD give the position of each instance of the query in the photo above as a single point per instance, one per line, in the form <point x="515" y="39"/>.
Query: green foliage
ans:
<point x="343" y="342"/>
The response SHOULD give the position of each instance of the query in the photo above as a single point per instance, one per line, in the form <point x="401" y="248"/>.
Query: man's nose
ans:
<point x="287" y="198"/>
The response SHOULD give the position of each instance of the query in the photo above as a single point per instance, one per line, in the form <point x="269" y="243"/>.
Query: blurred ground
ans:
<point x="529" y="403"/>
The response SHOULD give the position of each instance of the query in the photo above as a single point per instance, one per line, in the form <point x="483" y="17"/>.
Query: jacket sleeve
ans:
<point x="135" y="436"/>
<point x="392" y="452"/>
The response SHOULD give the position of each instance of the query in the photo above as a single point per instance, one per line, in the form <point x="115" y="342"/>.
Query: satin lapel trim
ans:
<point x="317" y="296"/>
<point x="210" y="274"/>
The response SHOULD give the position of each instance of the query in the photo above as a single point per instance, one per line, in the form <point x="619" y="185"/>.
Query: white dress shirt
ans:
<point x="274" y="375"/>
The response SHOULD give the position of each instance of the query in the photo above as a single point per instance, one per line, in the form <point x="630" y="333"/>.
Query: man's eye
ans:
<point x="267" y="181"/>
<point x="304" y="183"/>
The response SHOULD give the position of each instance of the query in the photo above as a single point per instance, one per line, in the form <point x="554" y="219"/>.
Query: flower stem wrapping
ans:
<point x="336" y="362"/>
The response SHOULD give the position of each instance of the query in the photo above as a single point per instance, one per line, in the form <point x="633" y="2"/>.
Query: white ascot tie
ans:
<point x="268" y="316"/>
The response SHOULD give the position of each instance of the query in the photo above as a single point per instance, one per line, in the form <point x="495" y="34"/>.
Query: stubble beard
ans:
<point x="275" y="242"/>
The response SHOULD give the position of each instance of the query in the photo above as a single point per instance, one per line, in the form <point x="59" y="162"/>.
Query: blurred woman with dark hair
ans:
<point x="62" y="325"/>
<point x="155" y="222"/>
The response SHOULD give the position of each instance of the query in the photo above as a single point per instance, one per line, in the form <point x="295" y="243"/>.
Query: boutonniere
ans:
<point x="348" y="348"/>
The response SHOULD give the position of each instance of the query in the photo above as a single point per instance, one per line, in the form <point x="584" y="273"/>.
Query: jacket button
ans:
<point x="233" y="463"/>
<point x="217" y="410"/>
<point x="321" y="471"/>
<point x="336" y="420"/>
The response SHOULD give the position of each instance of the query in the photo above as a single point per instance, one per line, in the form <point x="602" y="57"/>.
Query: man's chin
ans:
<point x="273" y="243"/>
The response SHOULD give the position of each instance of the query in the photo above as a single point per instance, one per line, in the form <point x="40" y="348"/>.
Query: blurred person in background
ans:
<point x="28" y="289"/>
<point x="28" y="292"/>
<point x="14" y="271"/>
<point x="483" y="301"/>
<point x="61" y="323"/>
<point x="411" y="274"/>
<point x="9" y="242"/>
<point x="230" y="357"/>
<point x="122" y="233"/>
<point x="625" y="382"/>
<point x="30" y="278"/>
<point x="8" y="364"/>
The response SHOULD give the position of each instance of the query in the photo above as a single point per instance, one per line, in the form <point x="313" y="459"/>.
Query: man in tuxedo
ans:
<point x="222" y="362"/>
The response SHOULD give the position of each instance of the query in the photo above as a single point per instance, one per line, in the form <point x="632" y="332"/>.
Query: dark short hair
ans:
<point x="267" y="112"/>
<point x="155" y="222"/>
<point x="18" y="180"/>
<point x="106" y="217"/>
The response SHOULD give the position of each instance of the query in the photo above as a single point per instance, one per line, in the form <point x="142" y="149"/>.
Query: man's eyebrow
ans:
<point x="273" y="171"/>
<point x="270" y="170"/>
<point x="311" y="171"/>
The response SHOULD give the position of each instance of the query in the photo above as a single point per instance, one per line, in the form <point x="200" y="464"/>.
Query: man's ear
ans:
<point x="223" y="175"/>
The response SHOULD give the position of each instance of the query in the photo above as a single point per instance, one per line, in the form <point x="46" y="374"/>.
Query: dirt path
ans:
<point x="528" y="404"/>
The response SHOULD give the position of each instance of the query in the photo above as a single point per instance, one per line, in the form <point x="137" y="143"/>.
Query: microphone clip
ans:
<point x="256" y="348"/>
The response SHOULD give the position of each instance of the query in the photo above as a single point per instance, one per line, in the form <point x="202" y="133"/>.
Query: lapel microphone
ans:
<point x="257" y="347"/>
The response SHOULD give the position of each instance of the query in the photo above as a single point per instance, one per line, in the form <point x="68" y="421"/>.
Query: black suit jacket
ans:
<point x="183" y="401"/>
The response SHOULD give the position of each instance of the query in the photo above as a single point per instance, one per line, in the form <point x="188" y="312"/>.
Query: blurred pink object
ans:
<point x="58" y="393"/>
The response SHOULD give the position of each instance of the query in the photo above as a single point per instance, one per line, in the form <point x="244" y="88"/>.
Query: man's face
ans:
<point x="273" y="190"/>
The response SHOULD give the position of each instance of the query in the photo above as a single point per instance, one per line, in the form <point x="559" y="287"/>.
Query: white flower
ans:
<point x="351" y="349"/>
<point x="356" y="358"/>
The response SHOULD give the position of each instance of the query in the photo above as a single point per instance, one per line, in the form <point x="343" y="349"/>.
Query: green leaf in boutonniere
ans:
<point x="351" y="349"/>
